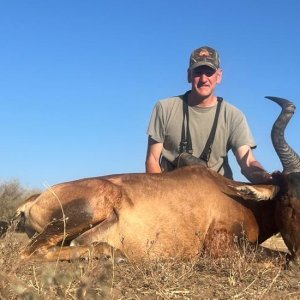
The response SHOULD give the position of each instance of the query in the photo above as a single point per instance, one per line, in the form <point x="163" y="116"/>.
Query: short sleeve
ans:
<point x="240" y="132"/>
<point x="156" y="128"/>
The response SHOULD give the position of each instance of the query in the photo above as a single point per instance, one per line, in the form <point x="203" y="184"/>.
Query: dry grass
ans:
<point x="247" y="274"/>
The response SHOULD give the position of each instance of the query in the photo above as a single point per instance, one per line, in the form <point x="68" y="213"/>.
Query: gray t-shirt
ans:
<point x="232" y="131"/>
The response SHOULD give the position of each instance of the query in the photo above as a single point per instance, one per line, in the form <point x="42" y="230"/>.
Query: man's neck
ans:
<point x="195" y="99"/>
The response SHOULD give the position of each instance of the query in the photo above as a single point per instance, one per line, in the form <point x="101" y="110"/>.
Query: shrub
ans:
<point x="12" y="193"/>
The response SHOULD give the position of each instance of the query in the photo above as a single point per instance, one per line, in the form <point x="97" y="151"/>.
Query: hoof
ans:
<point x="120" y="257"/>
<point x="74" y="243"/>
<point x="292" y="265"/>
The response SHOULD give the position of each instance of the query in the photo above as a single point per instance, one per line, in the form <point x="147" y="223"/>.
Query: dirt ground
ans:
<point x="247" y="274"/>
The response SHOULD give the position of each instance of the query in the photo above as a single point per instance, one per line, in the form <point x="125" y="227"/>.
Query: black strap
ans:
<point x="205" y="155"/>
<point x="186" y="142"/>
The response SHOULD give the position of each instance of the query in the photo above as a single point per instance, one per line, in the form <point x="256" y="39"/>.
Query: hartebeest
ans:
<point x="174" y="214"/>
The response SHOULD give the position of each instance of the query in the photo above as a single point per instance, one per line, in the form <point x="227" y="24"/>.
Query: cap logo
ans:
<point x="204" y="56"/>
<point x="204" y="53"/>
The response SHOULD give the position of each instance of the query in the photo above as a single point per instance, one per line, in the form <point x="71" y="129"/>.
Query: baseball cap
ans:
<point x="204" y="56"/>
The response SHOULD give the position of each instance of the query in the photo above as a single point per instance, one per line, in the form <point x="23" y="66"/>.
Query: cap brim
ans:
<point x="203" y="63"/>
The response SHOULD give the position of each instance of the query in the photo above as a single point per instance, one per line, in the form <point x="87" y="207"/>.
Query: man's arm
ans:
<point x="250" y="167"/>
<point x="153" y="156"/>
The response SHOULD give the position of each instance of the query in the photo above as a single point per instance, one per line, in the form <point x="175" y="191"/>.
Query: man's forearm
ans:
<point x="152" y="167"/>
<point x="256" y="174"/>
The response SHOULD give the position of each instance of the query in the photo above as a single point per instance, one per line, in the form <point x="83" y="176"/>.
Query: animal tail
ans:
<point x="3" y="227"/>
<point x="17" y="222"/>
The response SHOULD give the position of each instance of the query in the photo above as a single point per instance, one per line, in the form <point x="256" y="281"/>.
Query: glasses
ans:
<point x="204" y="71"/>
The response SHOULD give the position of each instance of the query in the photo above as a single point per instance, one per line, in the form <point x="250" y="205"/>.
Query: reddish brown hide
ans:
<point x="175" y="214"/>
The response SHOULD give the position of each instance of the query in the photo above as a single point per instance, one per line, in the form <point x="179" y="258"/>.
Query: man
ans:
<point x="170" y="121"/>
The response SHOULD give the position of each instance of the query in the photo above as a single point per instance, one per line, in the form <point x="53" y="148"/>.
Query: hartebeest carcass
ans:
<point x="175" y="214"/>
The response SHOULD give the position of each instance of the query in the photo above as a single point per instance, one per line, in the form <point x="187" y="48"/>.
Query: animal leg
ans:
<point x="58" y="231"/>
<point x="97" y="250"/>
<point x="96" y="233"/>
<point x="53" y="234"/>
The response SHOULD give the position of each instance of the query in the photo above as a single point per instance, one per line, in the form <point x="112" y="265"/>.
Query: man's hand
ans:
<point x="250" y="167"/>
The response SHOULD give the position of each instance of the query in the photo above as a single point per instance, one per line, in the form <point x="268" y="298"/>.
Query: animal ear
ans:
<point x="258" y="192"/>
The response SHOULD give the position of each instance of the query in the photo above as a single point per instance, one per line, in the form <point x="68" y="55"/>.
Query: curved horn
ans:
<point x="288" y="157"/>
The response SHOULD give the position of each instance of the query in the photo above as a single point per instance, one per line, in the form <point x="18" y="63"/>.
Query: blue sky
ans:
<point x="79" y="79"/>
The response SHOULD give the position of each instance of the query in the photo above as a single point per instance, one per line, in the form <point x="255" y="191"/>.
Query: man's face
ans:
<point x="204" y="80"/>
